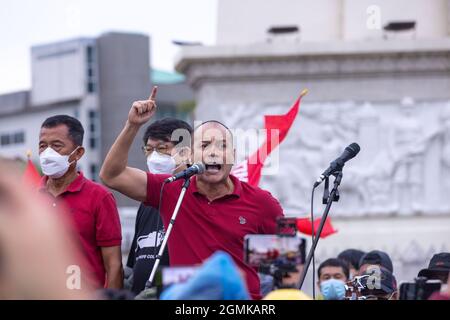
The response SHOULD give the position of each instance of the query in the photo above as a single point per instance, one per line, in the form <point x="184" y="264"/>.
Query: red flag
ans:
<point x="304" y="225"/>
<point x="277" y="126"/>
<point x="250" y="169"/>
<point x="31" y="175"/>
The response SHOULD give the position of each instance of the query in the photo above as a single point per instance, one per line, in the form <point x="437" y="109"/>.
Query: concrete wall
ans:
<point x="124" y="61"/>
<point x="431" y="17"/>
<point x="30" y="124"/>
<point x="246" y="22"/>
<point x="13" y="102"/>
<point x="59" y="72"/>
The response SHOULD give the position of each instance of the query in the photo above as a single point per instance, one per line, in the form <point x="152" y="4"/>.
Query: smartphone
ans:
<point x="266" y="249"/>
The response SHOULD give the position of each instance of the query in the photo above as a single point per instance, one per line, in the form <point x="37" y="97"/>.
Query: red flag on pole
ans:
<point x="31" y="175"/>
<point x="277" y="126"/>
<point x="250" y="170"/>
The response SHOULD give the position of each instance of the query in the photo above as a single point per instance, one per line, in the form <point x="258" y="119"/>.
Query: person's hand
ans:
<point x="37" y="250"/>
<point x="142" y="111"/>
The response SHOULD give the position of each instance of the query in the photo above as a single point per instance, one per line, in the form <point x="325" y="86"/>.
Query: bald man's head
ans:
<point x="213" y="145"/>
<point x="215" y="123"/>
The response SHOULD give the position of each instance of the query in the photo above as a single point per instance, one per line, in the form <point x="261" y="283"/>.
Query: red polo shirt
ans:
<point x="94" y="215"/>
<point x="203" y="227"/>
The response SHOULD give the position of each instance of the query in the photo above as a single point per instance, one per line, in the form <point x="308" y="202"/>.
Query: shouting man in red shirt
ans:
<point x="218" y="210"/>
<point x="91" y="207"/>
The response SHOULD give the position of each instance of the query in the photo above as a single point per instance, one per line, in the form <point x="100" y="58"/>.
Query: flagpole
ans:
<point x="304" y="93"/>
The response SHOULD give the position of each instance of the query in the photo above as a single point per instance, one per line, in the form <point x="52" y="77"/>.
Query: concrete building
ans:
<point x="378" y="75"/>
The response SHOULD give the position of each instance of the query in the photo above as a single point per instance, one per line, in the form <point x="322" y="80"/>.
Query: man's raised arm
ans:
<point x="115" y="173"/>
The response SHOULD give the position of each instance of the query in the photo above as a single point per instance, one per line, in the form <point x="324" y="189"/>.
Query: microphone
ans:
<point x="350" y="152"/>
<point x="196" y="168"/>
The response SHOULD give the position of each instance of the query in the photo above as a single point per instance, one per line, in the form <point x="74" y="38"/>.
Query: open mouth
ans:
<point x="213" y="167"/>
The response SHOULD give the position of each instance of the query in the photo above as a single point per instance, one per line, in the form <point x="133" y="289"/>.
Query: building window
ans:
<point x="93" y="143"/>
<point x="90" y="54"/>
<point x="94" y="129"/>
<point x="91" y="87"/>
<point x="19" y="137"/>
<point x="90" y="71"/>
<point x="94" y="172"/>
<point x="5" y="139"/>
<point x="12" y="138"/>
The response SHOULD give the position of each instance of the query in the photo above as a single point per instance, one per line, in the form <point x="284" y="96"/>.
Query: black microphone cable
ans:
<point x="312" y="241"/>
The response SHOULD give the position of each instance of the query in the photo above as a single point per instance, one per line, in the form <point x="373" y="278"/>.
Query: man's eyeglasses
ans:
<point x="160" y="149"/>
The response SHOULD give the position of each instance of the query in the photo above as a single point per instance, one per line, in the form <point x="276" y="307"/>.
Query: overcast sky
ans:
<point x="24" y="23"/>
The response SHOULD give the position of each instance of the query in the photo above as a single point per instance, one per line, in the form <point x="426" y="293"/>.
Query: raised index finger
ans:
<point x="153" y="94"/>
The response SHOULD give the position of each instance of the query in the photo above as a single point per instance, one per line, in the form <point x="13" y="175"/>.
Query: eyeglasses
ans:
<point x="160" y="149"/>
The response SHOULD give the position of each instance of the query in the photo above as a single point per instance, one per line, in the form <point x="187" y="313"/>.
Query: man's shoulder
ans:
<point x="261" y="196"/>
<point x="254" y="190"/>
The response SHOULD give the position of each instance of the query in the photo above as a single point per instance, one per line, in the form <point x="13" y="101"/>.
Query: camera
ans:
<point x="277" y="255"/>
<point x="420" y="289"/>
<point x="377" y="283"/>
<point x="359" y="289"/>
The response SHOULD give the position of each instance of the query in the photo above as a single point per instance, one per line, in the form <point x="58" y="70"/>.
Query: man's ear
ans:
<point x="79" y="153"/>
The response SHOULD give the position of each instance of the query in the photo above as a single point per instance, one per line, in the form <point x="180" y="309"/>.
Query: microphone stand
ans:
<point x="333" y="196"/>
<point x="186" y="184"/>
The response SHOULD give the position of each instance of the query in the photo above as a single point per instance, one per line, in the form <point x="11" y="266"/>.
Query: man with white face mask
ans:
<point x="90" y="207"/>
<point x="167" y="151"/>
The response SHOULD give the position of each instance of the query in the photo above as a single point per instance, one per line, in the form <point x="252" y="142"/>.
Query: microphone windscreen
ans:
<point x="354" y="149"/>
<point x="200" y="167"/>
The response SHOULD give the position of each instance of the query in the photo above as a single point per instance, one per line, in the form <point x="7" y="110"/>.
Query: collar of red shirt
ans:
<point x="75" y="186"/>
<point x="236" y="192"/>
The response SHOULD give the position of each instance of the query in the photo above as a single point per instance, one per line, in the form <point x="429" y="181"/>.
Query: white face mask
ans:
<point x="53" y="164"/>
<point x="161" y="163"/>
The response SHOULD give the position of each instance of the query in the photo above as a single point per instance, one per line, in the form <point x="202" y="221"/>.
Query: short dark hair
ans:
<point x="351" y="257"/>
<point x="76" y="131"/>
<point x="377" y="257"/>
<point x="163" y="129"/>
<point x="333" y="262"/>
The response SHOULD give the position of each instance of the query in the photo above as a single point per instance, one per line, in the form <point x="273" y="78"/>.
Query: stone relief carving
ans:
<point x="403" y="167"/>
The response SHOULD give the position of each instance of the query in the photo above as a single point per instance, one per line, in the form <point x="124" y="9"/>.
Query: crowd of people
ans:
<point x="62" y="238"/>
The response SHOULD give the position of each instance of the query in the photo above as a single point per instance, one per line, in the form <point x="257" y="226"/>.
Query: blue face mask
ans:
<point x="333" y="289"/>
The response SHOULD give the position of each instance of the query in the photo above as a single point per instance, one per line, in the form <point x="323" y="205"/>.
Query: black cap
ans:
<point x="352" y="257"/>
<point x="377" y="257"/>
<point x="439" y="265"/>
<point x="387" y="281"/>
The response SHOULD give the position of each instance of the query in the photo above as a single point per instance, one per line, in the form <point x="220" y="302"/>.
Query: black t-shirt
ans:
<point x="143" y="252"/>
